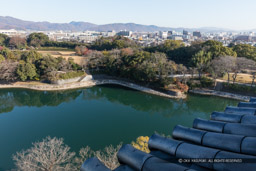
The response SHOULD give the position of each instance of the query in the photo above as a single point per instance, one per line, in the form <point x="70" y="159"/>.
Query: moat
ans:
<point x="97" y="116"/>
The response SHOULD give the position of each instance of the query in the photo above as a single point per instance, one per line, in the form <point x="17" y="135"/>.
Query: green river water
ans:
<point x="96" y="117"/>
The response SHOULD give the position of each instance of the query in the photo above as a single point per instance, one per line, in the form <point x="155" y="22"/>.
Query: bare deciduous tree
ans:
<point x="49" y="155"/>
<point x="220" y="66"/>
<point x="242" y="64"/>
<point x="17" y="42"/>
<point x="8" y="70"/>
<point x="52" y="154"/>
<point x="253" y="78"/>
<point x="183" y="70"/>
<point x="109" y="156"/>
<point x="192" y="70"/>
<point x="84" y="154"/>
<point x="224" y="65"/>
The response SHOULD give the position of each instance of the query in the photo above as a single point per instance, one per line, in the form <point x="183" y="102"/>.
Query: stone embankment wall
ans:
<point x="220" y="94"/>
<point x="173" y="94"/>
<point x="72" y="80"/>
<point x="88" y="81"/>
<point x="67" y="81"/>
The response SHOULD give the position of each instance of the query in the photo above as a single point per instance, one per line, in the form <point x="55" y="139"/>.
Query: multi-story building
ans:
<point x="163" y="34"/>
<point x="197" y="34"/>
<point x="109" y="33"/>
<point x="124" y="33"/>
<point x="169" y="33"/>
<point x="87" y="38"/>
<point x="244" y="38"/>
<point x="185" y="33"/>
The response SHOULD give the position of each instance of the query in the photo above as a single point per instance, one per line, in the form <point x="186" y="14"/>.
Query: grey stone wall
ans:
<point x="61" y="82"/>
<point x="72" y="80"/>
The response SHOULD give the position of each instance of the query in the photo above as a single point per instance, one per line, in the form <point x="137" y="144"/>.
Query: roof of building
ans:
<point x="225" y="142"/>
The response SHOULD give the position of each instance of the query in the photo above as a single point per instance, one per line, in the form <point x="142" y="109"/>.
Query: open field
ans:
<point x="241" y="78"/>
<point x="66" y="54"/>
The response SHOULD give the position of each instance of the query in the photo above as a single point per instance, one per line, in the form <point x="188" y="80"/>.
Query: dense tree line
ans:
<point x="211" y="57"/>
<point x="176" y="51"/>
<point x="136" y="65"/>
<point x="31" y="65"/>
<point x="42" y="40"/>
<point x="109" y="43"/>
<point x="15" y="42"/>
<point x="35" y="40"/>
<point x="4" y="39"/>
<point x="246" y="51"/>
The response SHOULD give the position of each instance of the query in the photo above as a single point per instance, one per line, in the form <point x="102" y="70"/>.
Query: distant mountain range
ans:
<point x="18" y="24"/>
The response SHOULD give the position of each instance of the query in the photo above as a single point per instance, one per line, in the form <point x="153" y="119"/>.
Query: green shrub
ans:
<point x="206" y="82"/>
<point x="1" y="58"/>
<point x="26" y="71"/>
<point x="192" y="84"/>
<point x="239" y="88"/>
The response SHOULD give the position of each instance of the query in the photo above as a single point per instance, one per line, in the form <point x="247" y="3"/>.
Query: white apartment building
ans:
<point x="163" y="34"/>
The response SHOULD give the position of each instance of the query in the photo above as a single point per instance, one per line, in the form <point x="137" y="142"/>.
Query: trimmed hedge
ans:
<point x="204" y="83"/>
<point x="239" y="89"/>
<point x="54" y="49"/>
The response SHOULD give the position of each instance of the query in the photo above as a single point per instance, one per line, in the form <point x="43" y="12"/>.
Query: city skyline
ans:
<point x="228" y="14"/>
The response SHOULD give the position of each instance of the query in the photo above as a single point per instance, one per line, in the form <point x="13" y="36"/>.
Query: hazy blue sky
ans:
<point x="234" y="14"/>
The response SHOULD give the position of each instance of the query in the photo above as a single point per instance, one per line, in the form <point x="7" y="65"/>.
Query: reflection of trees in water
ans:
<point x="208" y="104"/>
<point x="139" y="101"/>
<point x="6" y="102"/>
<point x="19" y="97"/>
<point x="132" y="98"/>
<point x="154" y="104"/>
<point x="151" y="104"/>
<point x="195" y="104"/>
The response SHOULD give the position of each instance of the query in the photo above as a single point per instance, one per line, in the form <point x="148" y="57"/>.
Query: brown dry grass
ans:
<point x="241" y="78"/>
<point x="29" y="83"/>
